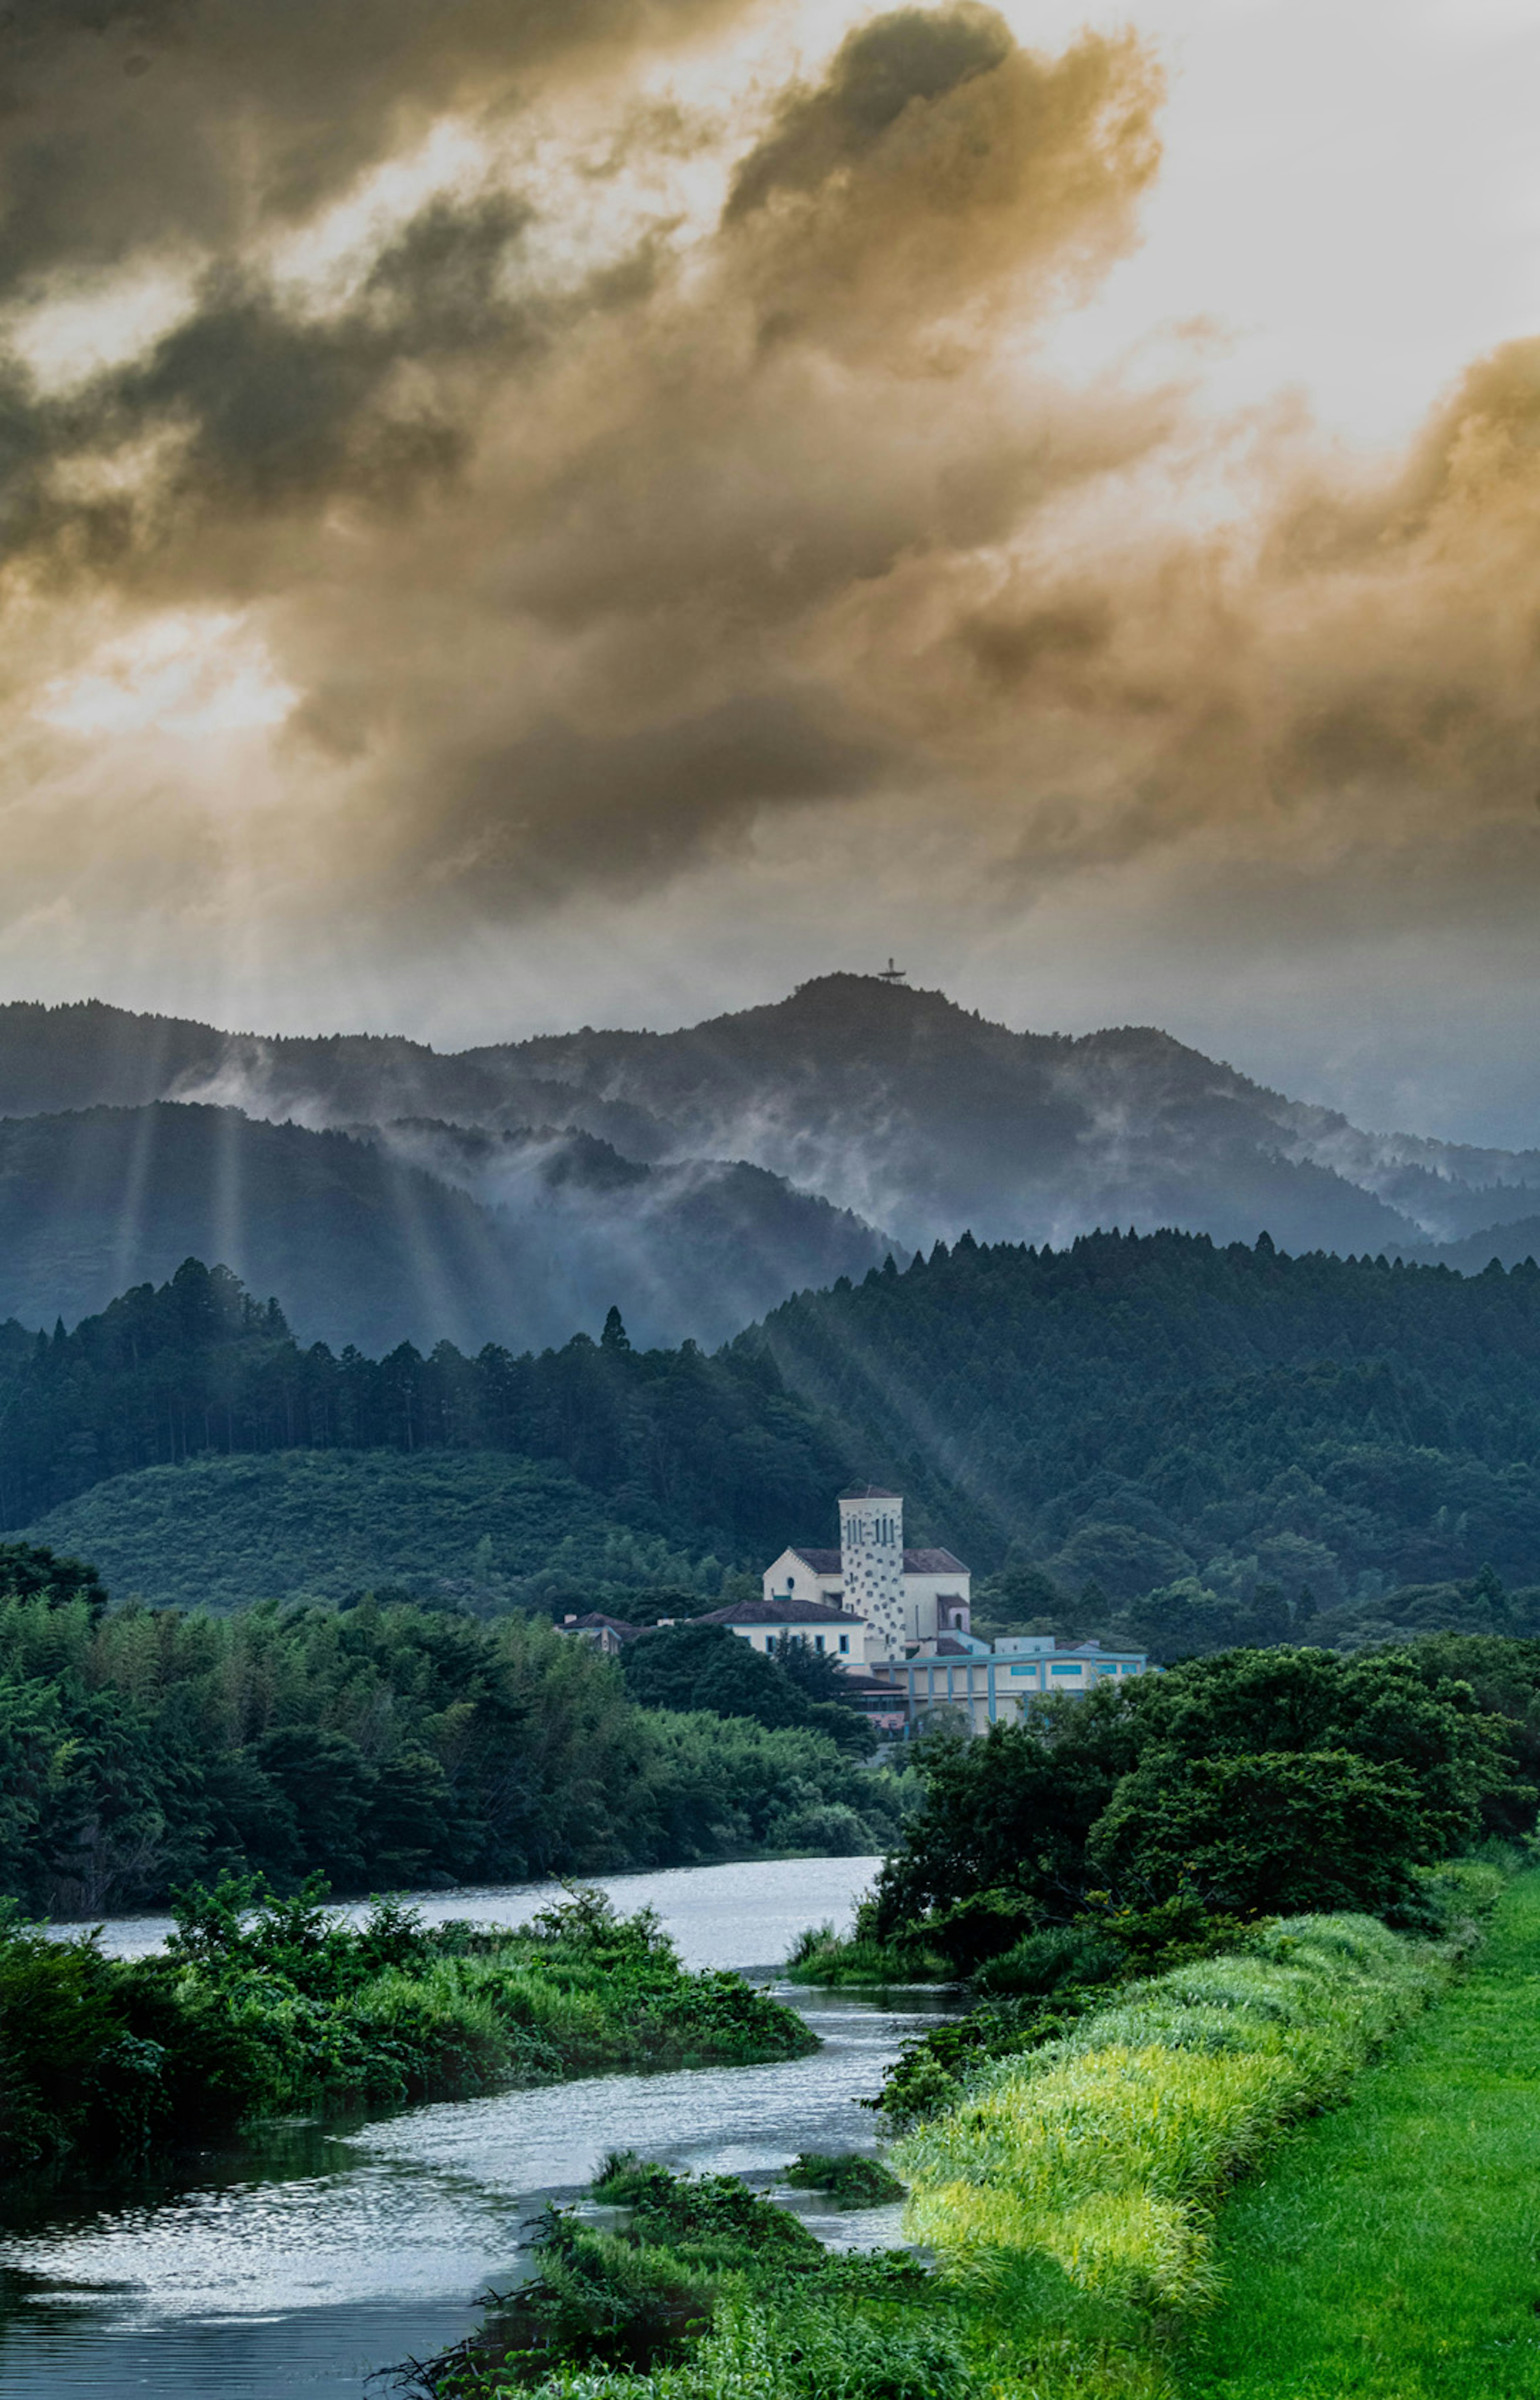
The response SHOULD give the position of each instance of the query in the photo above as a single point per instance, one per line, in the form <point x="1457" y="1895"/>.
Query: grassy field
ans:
<point x="1392" y="2251"/>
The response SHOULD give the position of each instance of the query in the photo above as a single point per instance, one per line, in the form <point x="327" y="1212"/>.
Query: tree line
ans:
<point x="380" y="1746"/>
<point x="714" y="1449"/>
<point x="1151" y="1439"/>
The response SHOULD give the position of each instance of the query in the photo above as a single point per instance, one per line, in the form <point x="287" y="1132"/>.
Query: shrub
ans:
<point x="62" y="2034"/>
<point x="258" y="2005"/>
<point x="1056" y="1957"/>
<point x="820" y="1957"/>
<point x="850" y="2179"/>
<point x="813" y="2348"/>
<point x="1324" y="1829"/>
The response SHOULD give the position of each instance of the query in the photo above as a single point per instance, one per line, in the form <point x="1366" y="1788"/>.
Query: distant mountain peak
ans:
<point x="693" y="1173"/>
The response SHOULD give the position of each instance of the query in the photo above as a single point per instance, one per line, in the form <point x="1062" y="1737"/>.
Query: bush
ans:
<point x="1056" y="1957"/>
<point x="819" y="1956"/>
<point x="850" y="2179"/>
<point x="1253" y="1834"/>
<point x="259" y="2004"/>
<point x="811" y="2347"/>
<point x="62" y="2037"/>
<point x="1242" y="1784"/>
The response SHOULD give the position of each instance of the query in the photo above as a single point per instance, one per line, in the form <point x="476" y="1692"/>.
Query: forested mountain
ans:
<point x="1152" y="1436"/>
<point x="480" y="1530"/>
<point x="919" y="1117"/>
<point x="927" y="1118"/>
<point x="363" y="1249"/>
<point x="417" y="1231"/>
<point x="710" y="1454"/>
<point x="1510" y="1245"/>
<point x="1261" y="1442"/>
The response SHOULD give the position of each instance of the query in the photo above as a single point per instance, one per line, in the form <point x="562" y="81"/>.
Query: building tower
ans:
<point x="871" y="1560"/>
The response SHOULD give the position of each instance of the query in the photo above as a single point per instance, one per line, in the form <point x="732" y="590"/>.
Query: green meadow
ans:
<point x="1391" y="2250"/>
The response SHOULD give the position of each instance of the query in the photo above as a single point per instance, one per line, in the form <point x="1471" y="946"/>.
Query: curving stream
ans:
<point x="294" y="2267"/>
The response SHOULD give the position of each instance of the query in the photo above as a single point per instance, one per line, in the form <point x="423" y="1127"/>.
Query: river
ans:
<point x="294" y="2266"/>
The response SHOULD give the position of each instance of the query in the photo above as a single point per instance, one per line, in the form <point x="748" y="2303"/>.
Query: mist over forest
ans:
<point x="573" y="1321"/>
<point x="384" y="1191"/>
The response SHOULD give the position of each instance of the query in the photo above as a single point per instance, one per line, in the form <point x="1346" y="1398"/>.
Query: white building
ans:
<point x="904" y="1597"/>
<point x="764" y="1624"/>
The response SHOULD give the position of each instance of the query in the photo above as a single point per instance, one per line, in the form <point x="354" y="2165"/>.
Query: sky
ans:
<point x="527" y="512"/>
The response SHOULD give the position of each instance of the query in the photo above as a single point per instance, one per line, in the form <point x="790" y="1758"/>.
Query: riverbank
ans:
<point x="1067" y="2197"/>
<point x="257" y="2007"/>
<point x="1390" y="2251"/>
<point x="298" y="2261"/>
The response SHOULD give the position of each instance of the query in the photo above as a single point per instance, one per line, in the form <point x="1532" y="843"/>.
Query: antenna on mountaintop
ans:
<point x="889" y="973"/>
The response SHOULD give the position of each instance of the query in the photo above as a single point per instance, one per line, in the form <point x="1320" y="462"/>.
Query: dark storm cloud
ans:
<point x="941" y="174"/>
<point x="913" y="55"/>
<point x="267" y="408"/>
<point x="581" y="622"/>
<point x="189" y="123"/>
<point x="615" y="814"/>
<point x="585" y="560"/>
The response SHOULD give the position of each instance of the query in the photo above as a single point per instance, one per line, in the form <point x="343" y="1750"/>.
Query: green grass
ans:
<point x="1392" y="2252"/>
<point x="820" y="1957"/>
<point x="1103" y="2151"/>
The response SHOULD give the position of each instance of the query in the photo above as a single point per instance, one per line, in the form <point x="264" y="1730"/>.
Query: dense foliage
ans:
<point x="382" y="1745"/>
<point x="1199" y="1446"/>
<point x="694" y="1666"/>
<point x="1240" y="1784"/>
<point x="711" y="1452"/>
<point x="481" y="1529"/>
<point x="1153" y="1439"/>
<point x="257" y="2006"/>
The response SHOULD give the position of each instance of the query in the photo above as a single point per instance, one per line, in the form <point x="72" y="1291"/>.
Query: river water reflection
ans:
<point x="299" y="2265"/>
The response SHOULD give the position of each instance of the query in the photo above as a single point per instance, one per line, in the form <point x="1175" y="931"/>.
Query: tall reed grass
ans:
<point x="1105" y="2151"/>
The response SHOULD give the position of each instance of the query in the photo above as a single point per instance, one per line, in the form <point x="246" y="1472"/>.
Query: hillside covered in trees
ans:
<point x="377" y="1745"/>
<point x="1206" y="1445"/>
<point x="1184" y="1444"/>
<point x="917" y="1114"/>
<point x="413" y="1230"/>
<point x="711" y="1452"/>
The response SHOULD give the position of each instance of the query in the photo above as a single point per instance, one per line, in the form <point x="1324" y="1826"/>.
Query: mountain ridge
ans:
<point x="702" y="1174"/>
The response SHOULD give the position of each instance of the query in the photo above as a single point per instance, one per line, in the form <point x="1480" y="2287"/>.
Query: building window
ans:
<point x="818" y="1641"/>
<point x="844" y="1642"/>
